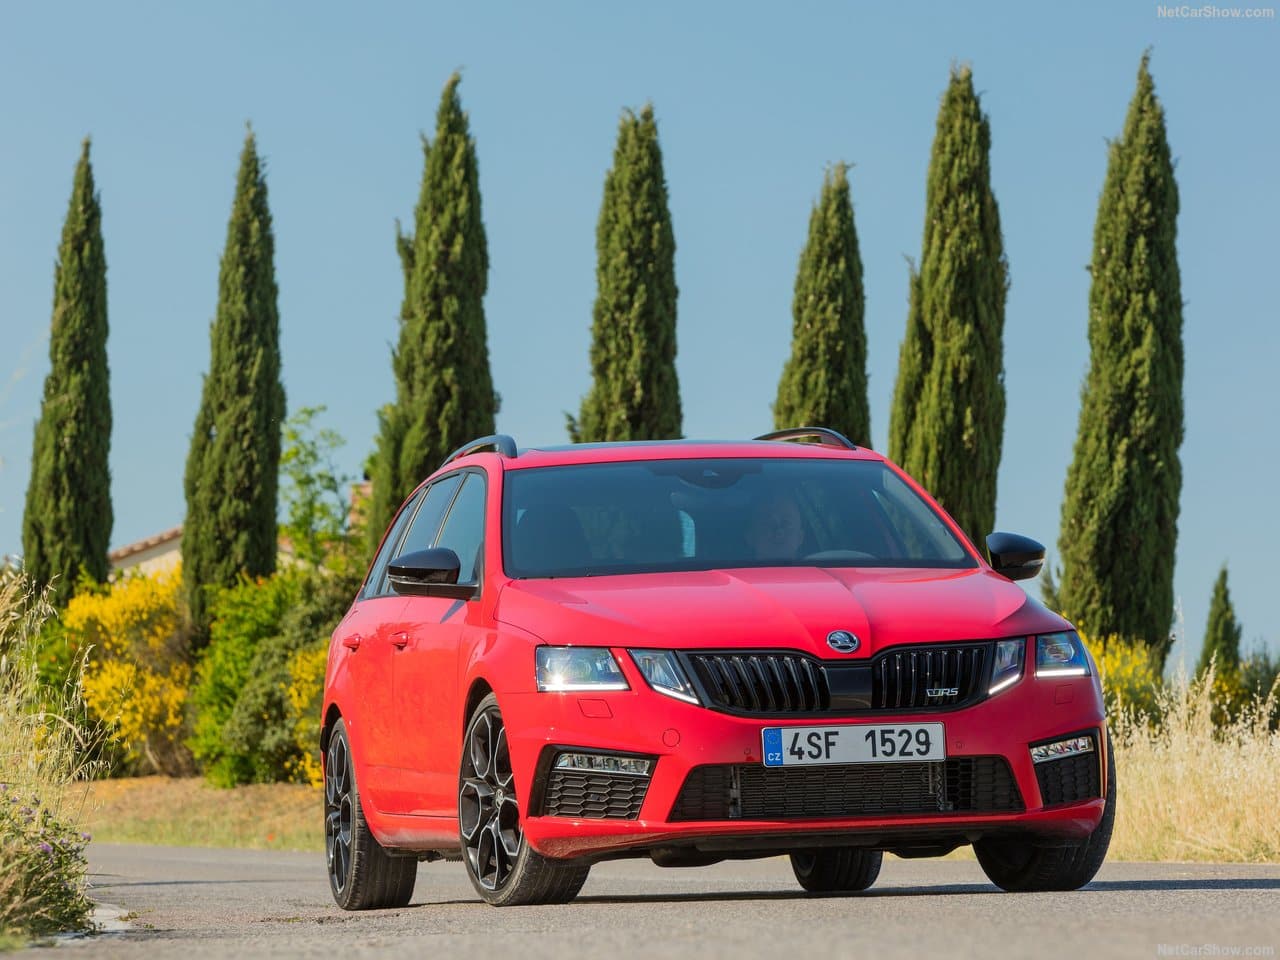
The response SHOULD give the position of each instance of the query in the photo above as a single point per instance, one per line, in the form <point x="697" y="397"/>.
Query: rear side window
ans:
<point x="373" y="583"/>
<point x="463" y="531"/>
<point x="422" y="532"/>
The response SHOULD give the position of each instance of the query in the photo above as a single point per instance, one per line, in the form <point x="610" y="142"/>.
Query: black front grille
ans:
<point x="1069" y="780"/>
<point x="933" y="676"/>
<point x="757" y="792"/>
<point x="927" y="677"/>
<point x="594" y="795"/>
<point x="762" y="682"/>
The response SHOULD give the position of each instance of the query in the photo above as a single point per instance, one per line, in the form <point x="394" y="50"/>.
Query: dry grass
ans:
<point x="1193" y="791"/>
<point x="42" y="746"/>
<point x="189" y="812"/>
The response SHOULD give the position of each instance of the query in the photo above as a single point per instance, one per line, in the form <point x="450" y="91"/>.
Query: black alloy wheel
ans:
<point x="337" y="812"/>
<point x="362" y="874"/>
<point x="504" y="869"/>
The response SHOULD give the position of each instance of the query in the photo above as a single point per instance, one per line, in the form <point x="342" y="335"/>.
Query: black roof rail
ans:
<point x="824" y="435"/>
<point x="500" y="442"/>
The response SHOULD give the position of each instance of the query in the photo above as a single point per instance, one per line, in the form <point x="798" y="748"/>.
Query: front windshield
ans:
<point x="667" y="515"/>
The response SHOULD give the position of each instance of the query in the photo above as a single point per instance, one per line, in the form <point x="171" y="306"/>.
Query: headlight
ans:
<point x="1061" y="655"/>
<point x="1007" y="668"/>
<point x="565" y="669"/>
<point x="663" y="672"/>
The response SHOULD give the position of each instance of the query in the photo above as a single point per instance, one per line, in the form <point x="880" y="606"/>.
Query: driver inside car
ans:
<point x="776" y="530"/>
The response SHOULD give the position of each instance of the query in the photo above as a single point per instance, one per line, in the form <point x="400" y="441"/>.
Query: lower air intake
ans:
<point x="1069" y="780"/>
<point x="756" y="792"/>
<point x="594" y="796"/>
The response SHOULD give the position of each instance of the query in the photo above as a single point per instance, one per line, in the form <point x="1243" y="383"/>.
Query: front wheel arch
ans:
<point x="478" y="690"/>
<point x="331" y="717"/>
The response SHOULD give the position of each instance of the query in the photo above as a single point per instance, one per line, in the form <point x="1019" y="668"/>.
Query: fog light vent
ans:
<point x="597" y="786"/>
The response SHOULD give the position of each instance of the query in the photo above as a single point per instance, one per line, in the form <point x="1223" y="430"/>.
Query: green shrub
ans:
<point x="248" y="712"/>
<point x="258" y="730"/>
<point x="245" y="617"/>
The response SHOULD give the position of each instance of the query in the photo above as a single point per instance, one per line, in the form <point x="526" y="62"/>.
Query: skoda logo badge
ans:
<point x="842" y="641"/>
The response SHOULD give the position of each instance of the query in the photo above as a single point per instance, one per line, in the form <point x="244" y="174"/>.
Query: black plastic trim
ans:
<point x="503" y="444"/>
<point x="824" y="435"/>
<point x="1094" y="757"/>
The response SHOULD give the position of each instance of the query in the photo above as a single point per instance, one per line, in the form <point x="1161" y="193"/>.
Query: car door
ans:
<point x="426" y="667"/>
<point x="365" y="639"/>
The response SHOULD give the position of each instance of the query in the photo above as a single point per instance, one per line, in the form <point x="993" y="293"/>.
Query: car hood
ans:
<point x="790" y="607"/>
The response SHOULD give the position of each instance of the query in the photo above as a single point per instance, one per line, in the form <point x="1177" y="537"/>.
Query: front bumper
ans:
<point x="683" y="738"/>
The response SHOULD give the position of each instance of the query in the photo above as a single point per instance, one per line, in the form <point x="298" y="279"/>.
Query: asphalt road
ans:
<point x="193" y="903"/>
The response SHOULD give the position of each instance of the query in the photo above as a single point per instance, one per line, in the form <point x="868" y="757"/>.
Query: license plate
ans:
<point x="854" y="743"/>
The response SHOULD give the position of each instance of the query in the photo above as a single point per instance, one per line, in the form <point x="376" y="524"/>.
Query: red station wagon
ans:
<point x="694" y="651"/>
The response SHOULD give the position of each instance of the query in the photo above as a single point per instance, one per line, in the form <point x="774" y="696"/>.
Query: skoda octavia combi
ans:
<point x="694" y="651"/>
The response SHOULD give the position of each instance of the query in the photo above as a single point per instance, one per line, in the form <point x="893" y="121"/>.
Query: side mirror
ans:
<point x="429" y="573"/>
<point x="1015" y="556"/>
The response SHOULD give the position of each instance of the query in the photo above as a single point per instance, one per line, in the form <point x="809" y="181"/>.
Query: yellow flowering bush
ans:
<point x="304" y="693"/>
<point x="137" y="667"/>
<point x="1130" y="671"/>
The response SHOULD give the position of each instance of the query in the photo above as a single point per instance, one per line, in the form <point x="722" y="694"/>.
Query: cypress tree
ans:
<point x="915" y="356"/>
<point x="825" y="380"/>
<point x="947" y="422"/>
<point x="233" y="463"/>
<point x="66" y="524"/>
<point x="1120" y="512"/>
<point x="1222" y="633"/>
<point x="634" y="394"/>
<point x="444" y="389"/>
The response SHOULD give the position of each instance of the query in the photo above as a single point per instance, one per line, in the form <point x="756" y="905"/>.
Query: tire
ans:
<point x="1020" y="866"/>
<point x="362" y="874"/>
<point x="836" y="869"/>
<point x="503" y="868"/>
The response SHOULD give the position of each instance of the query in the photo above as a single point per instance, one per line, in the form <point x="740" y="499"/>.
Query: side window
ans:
<point x="422" y="532"/>
<point x="373" y="584"/>
<point x="463" y="531"/>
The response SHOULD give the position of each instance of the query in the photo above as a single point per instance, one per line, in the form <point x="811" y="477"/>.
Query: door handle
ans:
<point x="400" y="640"/>
<point x="352" y="641"/>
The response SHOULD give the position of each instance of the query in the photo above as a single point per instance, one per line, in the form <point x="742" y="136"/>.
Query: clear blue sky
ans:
<point x="753" y="101"/>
